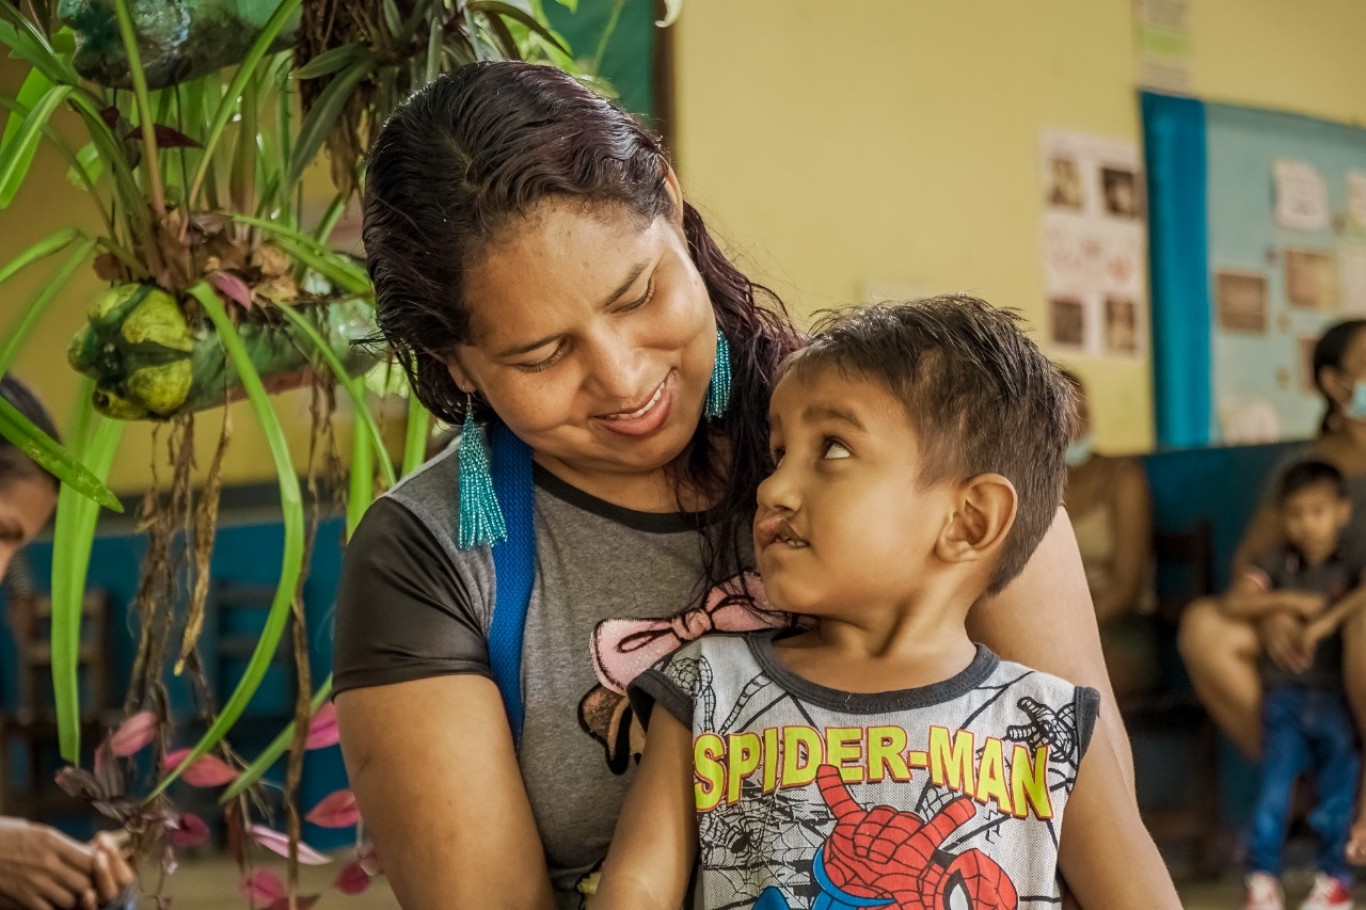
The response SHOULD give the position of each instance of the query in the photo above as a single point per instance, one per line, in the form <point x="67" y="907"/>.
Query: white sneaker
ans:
<point x="1263" y="892"/>
<point x="1328" y="894"/>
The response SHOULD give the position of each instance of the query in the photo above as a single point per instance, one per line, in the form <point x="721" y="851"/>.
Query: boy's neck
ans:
<point x="1315" y="557"/>
<point x="885" y="648"/>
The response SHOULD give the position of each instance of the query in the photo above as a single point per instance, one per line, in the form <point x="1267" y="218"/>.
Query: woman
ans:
<point x="1111" y="513"/>
<point x="41" y="868"/>
<point x="1221" y="651"/>
<point x="534" y="260"/>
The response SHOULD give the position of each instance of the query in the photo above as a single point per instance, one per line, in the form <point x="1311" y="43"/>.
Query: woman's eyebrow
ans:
<point x="626" y="285"/>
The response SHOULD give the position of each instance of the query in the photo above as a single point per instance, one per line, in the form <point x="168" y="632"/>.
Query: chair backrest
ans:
<point x="34" y="645"/>
<point x="1185" y="568"/>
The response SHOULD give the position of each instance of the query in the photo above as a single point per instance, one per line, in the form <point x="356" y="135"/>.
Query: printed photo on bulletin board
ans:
<point x="1094" y="245"/>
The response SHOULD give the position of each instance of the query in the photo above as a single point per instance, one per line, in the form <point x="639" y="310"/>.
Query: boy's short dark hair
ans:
<point x="981" y="396"/>
<point x="1305" y="474"/>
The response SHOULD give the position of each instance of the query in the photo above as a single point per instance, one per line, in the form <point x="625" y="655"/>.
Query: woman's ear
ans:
<point x="983" y="516"/>
<point x="1331" y="381"/>
<point x="459" y="374"/>
<point x="675" y="192"/>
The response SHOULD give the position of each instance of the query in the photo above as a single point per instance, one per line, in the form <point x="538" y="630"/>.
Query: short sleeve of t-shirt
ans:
<point x="673" y="684"/>
<point x="403" y="612"/>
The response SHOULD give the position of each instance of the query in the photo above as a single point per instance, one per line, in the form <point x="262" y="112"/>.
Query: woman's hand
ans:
<point x="113" y="871"/>
<point x="43" y="869"/>
<point x="1282" y="636"/>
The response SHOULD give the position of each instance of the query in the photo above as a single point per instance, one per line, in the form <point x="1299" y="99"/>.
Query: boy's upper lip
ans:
<point x="773" y="528"/>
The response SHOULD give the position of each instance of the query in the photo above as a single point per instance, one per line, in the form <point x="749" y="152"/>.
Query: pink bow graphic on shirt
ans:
<point x="624" y="648"/>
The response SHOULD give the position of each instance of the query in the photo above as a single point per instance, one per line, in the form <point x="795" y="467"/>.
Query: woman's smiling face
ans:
<point x="592" y="337"/>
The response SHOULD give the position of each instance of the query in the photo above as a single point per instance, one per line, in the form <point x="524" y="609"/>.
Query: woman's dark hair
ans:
<point x="1330" y="351"/>
<point x="14" y="463"/>
<point x="483" y="146"/>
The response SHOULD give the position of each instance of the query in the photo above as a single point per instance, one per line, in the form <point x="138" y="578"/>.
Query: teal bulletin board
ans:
<point x="1258" y="242"/>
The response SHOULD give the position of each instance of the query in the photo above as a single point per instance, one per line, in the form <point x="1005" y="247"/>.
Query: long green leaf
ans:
<point x="35" y="87"/>
<point x="73" y="537"/>
<point x="278" y="746"/>
<point x="18" y="156"/>
<point x="19" y="332"/>
<point x="418" y="435"/>
<point x="361" y="490"/>
<point x="354" y="388"/>
<point x="324" y="113"/>
<point x="52" y="457"/>
<point x="151" y="167"/>
<point x="508" y="11"/>
<point x="29" y="44"/>
<point x="228" y="104"/>
<point x="52" y="243"/>
<point x="330" y="61"/>
<point x="292" y="509"/>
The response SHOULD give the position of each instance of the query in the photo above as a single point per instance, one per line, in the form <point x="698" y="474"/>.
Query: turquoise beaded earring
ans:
<point x="481" y="518"/>
<point x="718" y="393"/>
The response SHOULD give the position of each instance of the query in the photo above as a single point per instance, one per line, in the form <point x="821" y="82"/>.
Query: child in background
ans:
<point x="879" y="758"/>
<point x="1307" y="726"/>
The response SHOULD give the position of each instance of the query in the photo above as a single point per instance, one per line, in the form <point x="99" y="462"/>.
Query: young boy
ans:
<point x="878" y="758"/>
<point x="1306" y="723"/>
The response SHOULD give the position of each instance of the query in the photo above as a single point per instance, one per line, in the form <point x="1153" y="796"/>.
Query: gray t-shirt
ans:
<point x="967" y="780"/>
<point x="616" y="590"/>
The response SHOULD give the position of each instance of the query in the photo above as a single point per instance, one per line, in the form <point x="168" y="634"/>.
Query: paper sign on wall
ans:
<point x="1301" y="196"/>
<point x="1094" y="245"/>
<point x="1356" y="197"/>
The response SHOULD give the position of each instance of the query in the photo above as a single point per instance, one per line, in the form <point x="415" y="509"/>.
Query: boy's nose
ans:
<point x="777" y="492"/>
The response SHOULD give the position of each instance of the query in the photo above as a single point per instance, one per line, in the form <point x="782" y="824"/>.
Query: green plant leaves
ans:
<point x="17" y="155"/>
<point x="292" y="510"/>
<point x="53" y="458"/>
<point x="97" y="440"/>
<point x="278" y="746"/>
<point x="16" y="335"/>
<point x="324" y="113"/>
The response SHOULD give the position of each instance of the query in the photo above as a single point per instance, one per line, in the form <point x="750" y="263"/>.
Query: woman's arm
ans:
<point x="656" y="838"/>
<point x="1044" y="620"/>
<point x="1262" y="534"/>
<point x="1132" y="527"/>
<point x="436" y="777"/>
<point x="1107" y="858"/>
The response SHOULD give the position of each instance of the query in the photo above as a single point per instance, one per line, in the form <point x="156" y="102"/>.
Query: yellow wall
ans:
<point x="890" y="141"/>
<point x="897" y="141"/>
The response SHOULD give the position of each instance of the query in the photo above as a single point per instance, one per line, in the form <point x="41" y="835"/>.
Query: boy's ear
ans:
<point x="983" y="517"/>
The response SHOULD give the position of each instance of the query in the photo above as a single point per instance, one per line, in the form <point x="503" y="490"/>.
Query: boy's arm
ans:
<point x="1107" y="858"/>
<point x="1251" y="597"/>
<point x="651" y="859"/>
<point x="1327" y="622"/>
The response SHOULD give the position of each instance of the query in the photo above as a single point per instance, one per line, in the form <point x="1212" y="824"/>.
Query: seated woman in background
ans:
<point x="1108" y="501"/>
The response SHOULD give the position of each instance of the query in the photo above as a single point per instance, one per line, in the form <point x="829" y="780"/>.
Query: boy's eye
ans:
<point x="833" y="449"/>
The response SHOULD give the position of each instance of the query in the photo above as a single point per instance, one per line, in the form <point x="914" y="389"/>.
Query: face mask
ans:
<point x="1356" y="408"/>
<point x="1079" y="452"/>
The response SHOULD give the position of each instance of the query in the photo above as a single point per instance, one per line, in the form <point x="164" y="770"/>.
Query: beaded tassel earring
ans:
<point x="481" y="518"/>
<point x="718" y="393"/>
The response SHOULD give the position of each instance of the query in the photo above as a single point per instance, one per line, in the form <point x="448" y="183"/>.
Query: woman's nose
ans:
<point x="617" y="368"/>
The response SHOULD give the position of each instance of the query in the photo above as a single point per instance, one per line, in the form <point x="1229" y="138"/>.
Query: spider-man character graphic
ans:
<point x="881" y="857"/>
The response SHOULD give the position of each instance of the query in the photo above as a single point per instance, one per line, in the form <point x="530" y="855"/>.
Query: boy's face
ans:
<point x="1314" y="518"/>
<point x="843" y="520"/>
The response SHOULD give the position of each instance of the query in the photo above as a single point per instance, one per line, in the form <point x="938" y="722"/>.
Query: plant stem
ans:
<point x="147" y="124"/>
<point x="607" y="36"/>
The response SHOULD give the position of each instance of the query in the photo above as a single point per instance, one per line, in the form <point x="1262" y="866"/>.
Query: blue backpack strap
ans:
<point x="514" y="568"/>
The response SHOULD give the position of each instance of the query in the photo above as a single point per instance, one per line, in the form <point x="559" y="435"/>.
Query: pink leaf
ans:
<point x="187" y="831"/>
<point x="302" y="902"/>
<point x="322" y="730"/>
<point x="353" y="878"/>
<point x="262" y="887"/>
<point x="278" y="843"/>
<point x="207" y="770"/>
<point x="336" y="810"/>
<point x="134" y="734"/>
<point x="232" y="288"/>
